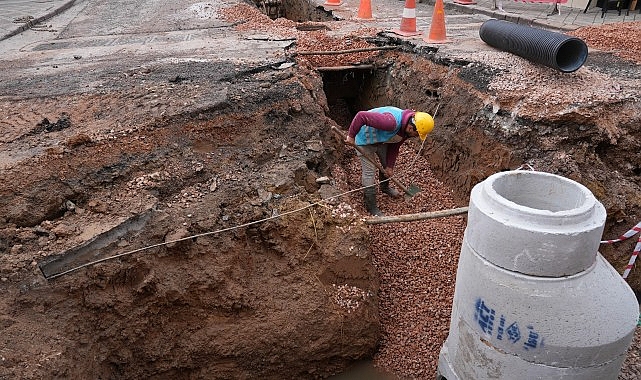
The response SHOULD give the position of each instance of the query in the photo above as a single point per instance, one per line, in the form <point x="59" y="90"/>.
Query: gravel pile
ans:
<point x="631" y="369"/>
<point x="248" y="18"/>
<point x="556" y="93"/>
<point x="622" y="39"/>
<point x="417" y="264"/>
<point x="320" y="42"/>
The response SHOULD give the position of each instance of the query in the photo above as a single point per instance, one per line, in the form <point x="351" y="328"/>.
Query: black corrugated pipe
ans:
<point x="555" y="50"/>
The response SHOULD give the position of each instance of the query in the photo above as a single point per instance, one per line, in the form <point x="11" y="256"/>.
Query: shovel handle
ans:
<point x="372" y="161"/>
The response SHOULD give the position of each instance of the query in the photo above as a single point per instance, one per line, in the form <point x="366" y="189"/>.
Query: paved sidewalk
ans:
<point x="19" y="15"/>
<point x="545" y="15"/>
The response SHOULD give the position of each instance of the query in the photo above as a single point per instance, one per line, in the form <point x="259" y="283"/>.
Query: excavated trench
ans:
<point x="295" y="10"/>
<point x="220" y="263"/>
<point x="462" y="154"/>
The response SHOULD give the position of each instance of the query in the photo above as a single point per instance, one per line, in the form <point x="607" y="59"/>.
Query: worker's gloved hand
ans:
<point x="389" y="172"/>
<point x="350" y="141"/>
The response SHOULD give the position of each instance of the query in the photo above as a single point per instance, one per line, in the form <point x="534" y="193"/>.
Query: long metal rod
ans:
<point x="334" y="52"/>
<point x="342" y="68"/>
<point x="415" y="217"/>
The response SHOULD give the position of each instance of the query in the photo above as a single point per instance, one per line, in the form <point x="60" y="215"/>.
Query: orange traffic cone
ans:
<point x="465" y="2"/>
<point x="437" y="29"/>
<point x="408" y="22"/>
<point x="333" y="3"/>
<point x="365" y="9"/>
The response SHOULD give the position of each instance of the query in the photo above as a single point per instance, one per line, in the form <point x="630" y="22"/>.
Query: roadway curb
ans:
<point x="40" y="19"/>
<point x="511" y="17"/>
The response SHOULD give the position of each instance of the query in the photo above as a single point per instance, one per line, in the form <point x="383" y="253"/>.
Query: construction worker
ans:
<point x="381" y="132"/>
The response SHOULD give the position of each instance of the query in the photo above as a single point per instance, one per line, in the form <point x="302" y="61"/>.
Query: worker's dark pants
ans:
<point x="368" y="170"/>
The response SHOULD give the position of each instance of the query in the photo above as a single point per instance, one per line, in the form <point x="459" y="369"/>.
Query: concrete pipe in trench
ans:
<point x="556" y="50"/>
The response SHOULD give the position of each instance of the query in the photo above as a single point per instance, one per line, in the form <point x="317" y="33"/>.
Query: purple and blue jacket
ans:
<point x="381" y="126"/>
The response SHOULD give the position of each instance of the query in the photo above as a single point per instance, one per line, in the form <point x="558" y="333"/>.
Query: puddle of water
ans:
<point x="362" y="371"/>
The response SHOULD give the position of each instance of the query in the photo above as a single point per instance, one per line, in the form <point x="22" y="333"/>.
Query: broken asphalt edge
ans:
<point x="30" y="23"/>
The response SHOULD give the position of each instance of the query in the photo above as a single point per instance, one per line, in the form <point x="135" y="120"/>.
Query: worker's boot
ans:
<point x="370" y="202"/>
<point x="386" y="189"/>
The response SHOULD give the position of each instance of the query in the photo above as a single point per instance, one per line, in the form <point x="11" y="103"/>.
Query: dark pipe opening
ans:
<point x="571" y="55"/>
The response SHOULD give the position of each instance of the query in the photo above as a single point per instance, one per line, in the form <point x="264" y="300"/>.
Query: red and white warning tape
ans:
<point x="628" y="267"/>
<point x="635" y="230"/>
<point x="637" y="248"/>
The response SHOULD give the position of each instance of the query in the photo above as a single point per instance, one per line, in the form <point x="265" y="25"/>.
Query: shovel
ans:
<point x="411" y="191"/>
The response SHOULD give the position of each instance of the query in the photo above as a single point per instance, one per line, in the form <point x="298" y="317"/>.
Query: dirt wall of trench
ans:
<point x="285" y="295"/>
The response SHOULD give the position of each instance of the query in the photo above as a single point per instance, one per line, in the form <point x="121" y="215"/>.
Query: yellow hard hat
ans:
<point x="424" y="124"/>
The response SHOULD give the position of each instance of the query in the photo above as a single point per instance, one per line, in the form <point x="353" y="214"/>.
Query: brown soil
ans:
<point x="205" y="180"/>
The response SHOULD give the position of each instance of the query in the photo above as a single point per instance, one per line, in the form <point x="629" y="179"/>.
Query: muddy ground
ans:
<point x="209" y="188"/>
